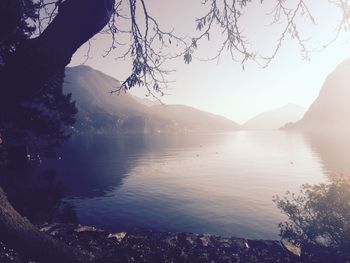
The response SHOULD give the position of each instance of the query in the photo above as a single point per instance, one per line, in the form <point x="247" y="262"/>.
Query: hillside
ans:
<point x="193" y="119"/>
<point x="101" y="111"/>
<point x="275" y="119"/>
<point x="331" y="109"/>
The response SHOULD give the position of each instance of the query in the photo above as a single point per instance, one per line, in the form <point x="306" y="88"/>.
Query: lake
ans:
<point x="204" y="183"/>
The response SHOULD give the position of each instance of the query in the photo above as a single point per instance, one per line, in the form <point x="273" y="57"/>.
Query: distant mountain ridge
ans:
<point x="275" y="119"/>
<point x="331" y="109"/>
<point x="101" y="111"/>
<point x="194" y="119"/>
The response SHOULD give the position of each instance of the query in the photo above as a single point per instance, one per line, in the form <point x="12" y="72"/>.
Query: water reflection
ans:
<point x="90" y="166"/>
<point x="318" y="215"/>
<point x="207" y="183"/>
<point x="333" y="149"/>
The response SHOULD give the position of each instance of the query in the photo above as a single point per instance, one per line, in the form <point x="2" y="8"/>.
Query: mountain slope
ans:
<point x="92" y="88"/>
<point x="101" y="111"/>
<point x="275" y="119"/>
<point x="193" y="119"/>
<point x="98" y="109"/>
<point x="331" y="110"/>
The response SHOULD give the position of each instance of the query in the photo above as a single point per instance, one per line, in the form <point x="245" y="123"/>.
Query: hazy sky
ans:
<point x="224" y="88"/>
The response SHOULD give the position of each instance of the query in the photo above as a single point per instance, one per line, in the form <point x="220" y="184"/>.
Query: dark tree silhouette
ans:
<point x="35" y="122"/>
<point x="319" y="220"/>
<point x="33" y="110"/>
<point x="15" y="25"/>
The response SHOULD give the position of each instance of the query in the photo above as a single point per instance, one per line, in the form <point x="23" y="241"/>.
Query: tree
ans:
<point x="33" y="107"/>
<point x="137" y="36"/>
<point x="319" y="220"/>
<point x="39" y="37"/>
<point x="15" y="25"/>
<point x="34" y="112"/>
<point x="36" y="123"/>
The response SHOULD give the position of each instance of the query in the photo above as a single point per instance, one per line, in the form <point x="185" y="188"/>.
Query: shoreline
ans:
<point x="154" y="246"/>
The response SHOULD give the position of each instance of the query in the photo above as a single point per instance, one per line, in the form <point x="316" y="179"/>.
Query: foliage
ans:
<point x="17" y="23"/>
<point x="139" y="38"/>
<point x="39" y="122"/>
<point x="319" y="217"/>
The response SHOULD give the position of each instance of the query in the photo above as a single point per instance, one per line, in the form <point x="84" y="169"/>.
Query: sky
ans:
<point x="223" y="87"/>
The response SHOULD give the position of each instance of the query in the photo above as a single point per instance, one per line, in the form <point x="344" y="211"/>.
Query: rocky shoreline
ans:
<point x="153" y="246"/>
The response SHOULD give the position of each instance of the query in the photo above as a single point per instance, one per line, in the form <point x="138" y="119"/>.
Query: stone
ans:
<point x="118" y="236"/>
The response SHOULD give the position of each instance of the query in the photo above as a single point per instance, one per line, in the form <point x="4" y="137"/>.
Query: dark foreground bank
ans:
<point x="151" y="246"/>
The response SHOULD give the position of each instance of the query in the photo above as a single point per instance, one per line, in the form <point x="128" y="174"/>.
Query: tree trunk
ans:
<point x="18" y="233"/>
<point x="38" y="59"/>
<point x="29" y="68"/>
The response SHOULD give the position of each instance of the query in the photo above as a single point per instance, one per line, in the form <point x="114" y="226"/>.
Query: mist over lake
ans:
<point x="219" y="183"/>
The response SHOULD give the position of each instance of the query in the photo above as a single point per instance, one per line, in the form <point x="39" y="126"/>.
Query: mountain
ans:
<point x="275" y="119"/>
<point x="98" y="109"/>
<point x="101" y="111"/>
<point x="193" y="119"/>
<point x="331" y="109"/>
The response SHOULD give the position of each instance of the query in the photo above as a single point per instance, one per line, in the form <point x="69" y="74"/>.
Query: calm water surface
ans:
<point x="207" y="183"/>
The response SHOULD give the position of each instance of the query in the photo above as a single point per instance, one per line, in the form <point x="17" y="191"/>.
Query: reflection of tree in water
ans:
<point x="92" y="165"/>
<point x="87" y="166"/>
<point x="37" y="197"/>
<point x="319" y="220"/>
<point x="67" y="214"/>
